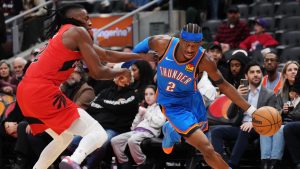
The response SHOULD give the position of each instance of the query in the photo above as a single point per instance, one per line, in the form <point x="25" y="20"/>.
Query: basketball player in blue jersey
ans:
<point x="181" y="60"/>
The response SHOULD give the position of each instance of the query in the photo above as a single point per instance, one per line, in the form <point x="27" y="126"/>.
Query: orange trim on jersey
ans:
<point x="277" y="86"/>
<point x="178" y="130"/>
<point x="205" y="124"/>
<point x="167" y="51"/>
<point x="197" y="67"/>
<point x="198" y="63"/>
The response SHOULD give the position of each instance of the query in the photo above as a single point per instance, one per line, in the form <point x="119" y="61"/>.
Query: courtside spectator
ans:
<point x="291" y="130"/>
<point x="273" y="79"/>
<point x="147" y="124"/>
<point x="237" y="63"/>
<point x="257" y="96"/>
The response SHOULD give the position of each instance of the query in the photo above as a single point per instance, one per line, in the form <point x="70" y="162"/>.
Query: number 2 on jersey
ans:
<point x="171" y="87"/>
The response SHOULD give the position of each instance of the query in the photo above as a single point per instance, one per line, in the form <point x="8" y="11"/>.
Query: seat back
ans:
<point x="244" y="10"/>
<point x="292" y="53"/>
<point x="263" y="10"/>
<point x="291" y="38"/>
<point x="290" y="23"/>
<point x="289" y="9"/>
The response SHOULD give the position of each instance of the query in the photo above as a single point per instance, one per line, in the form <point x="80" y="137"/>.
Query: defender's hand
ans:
<point x="150" y="57"/>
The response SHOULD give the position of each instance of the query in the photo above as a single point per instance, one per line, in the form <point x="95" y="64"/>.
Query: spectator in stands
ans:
<point x="291" y="130"/>
<point x="33" y="23"/>
<point x="257" y="96"/>
<point x="114" y="108"/>
<point x="18" y="65"/>
<point x="273" y="79"/>
<point x="147" y="124"/>
<point x="215" y="52"/>
<point x="261" y="39"/>
<point x="11" y="7"/>
<point x="8" y="82"/>
<point x="78" y="90"/>
<point x="272" y="147"/>
<point x="232" y="31"/>
<point x="143" y="76"/>
<point x="237" y="63"/>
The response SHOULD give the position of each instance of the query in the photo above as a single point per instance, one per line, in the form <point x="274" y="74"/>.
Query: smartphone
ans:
<point x="244" y="82"/>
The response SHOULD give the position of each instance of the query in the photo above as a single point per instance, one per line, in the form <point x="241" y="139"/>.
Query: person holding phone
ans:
<point x="242" y="131"/>
<point x="243" y="87"/>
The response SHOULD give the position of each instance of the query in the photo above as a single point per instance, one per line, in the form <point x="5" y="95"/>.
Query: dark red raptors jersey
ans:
<point x="56" y="62"/>
<point x="40" y="99"/>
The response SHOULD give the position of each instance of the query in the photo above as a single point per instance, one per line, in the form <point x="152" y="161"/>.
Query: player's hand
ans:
<point x="150" y="57"/>
<point x="246" y="126"/>
<point x="242" y="90"/>
<point x="125" y="79"/>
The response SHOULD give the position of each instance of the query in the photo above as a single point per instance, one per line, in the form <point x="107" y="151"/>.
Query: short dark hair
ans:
<point x="249" y="65"/>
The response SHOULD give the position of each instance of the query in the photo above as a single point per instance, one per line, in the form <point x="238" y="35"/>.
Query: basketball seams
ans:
<point x="270" y="121"/>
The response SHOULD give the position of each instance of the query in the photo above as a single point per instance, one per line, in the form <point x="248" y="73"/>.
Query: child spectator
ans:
<point x="147" y="124"/>
<point x="260" y="39"/>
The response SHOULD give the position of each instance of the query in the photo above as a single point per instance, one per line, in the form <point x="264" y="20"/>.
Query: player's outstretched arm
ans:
<point x="116" y="57"/>
<point x="78" y="37"/>
<point x="210" y="67"/>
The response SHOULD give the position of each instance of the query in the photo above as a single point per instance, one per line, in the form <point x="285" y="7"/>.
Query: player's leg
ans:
<point x="53" y="149"/>
<point x="199" y="140"/>
<point x="93" y="136"/>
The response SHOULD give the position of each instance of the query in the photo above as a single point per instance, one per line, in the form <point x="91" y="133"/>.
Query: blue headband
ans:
<point x="194" y="37"/>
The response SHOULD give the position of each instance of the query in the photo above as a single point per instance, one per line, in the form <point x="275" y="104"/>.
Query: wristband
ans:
<point x="250" y="110"/>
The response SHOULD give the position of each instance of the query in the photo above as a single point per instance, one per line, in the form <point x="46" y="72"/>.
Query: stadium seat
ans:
<point x="291" y="23"/>
<point x="244" y="10"/>
<point x="288" y="9"/>
<point x="212" y="25"/>
<point x="292" y="53"/>
<point x="263" y="10"/>
<point x="291" y="38"/>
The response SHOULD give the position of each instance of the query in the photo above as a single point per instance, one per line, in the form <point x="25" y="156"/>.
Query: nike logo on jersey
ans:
<point x="168" y="59"/>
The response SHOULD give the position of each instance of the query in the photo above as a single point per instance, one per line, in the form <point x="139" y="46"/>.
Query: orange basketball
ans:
<point x="266" y="121"/>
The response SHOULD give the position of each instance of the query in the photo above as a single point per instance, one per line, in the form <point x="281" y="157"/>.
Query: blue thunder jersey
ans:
<point x="177" y="82"/>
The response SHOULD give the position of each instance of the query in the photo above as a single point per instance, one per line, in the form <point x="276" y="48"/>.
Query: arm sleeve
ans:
<point x="142" y="47"/>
